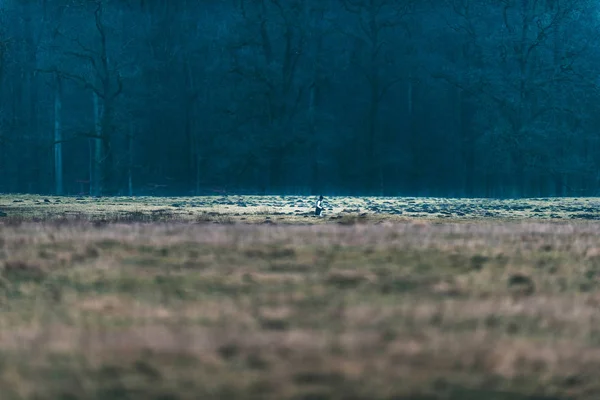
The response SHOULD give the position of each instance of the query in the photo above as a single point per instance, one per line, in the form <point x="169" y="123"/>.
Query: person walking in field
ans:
<point x="319" y="207"/>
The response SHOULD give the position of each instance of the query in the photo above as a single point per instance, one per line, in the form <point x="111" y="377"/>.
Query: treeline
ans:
<point x="384" y="97"/>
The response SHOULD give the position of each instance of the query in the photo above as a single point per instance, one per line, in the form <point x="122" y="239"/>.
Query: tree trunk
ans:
<point x="58" y="163"/>
<point x="190" y="148"/>
<point x="130" y="162"/>
<point x="313" y="98"/>
<point x="190" y="137"/>
<point x="3" y="110"/>
<point x="275" y="171"/>
<point x="107" y="183"/>
<point x="372" y="163"/>
<point x="315" y="173"/>
<point x="198" y="165"/>
<point x="467" y="145"/>
<point x="96" y="175"/>
<point x="414" y="144"/>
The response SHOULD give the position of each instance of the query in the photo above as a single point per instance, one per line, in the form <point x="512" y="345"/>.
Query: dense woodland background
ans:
<point x="386" y="97"/>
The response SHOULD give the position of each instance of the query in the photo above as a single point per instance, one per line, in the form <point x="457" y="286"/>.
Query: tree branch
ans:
<point x="73" y="77"/>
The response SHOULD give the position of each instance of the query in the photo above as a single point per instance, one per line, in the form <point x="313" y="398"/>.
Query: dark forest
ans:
<point x="448" y="98"/>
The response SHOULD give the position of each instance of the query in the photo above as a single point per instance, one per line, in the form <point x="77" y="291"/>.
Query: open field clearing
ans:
<point x="293" y="209"/>
<point x="110" y="299"/>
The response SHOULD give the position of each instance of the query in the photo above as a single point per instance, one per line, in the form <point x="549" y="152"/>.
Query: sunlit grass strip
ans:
<point x="291" y="209"/>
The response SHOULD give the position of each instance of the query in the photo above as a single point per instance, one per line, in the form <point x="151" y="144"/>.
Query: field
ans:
<point x="239" y="297"/>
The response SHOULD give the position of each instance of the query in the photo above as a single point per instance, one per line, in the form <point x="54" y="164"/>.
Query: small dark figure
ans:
<point x="319" y="207"/>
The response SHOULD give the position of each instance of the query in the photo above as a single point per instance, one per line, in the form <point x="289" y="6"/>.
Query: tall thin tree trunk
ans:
<point x="130" y="162"/>
<point x="315" y="178"/>
<point x="190" y="134"/>
<point x="373" y="163"/>
<point x="467" y="145"/>
<point x="317" y="72"/>
<point x="414" y="143"/>
<point x="58" y="162"/>
<point x="198" y="176"/>
<point x="97" y="145"/>
<point x="108" y="183"/>
<point x="91" y="178"/>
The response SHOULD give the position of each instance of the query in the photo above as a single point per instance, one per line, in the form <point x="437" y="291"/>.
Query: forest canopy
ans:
<point x="381" y="97"/>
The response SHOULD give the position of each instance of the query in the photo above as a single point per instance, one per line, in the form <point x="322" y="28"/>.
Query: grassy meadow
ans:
<point x="250" y="297"/>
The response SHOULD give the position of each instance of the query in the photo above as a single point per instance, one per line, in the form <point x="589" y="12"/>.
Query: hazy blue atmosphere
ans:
<point x="384" y="97"/>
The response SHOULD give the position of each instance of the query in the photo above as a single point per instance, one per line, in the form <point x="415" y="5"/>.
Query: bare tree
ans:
<point x="377" y="20"/>
<point x="513" y="70"/>
<point x="279" y="29"/>
<point x="3" y="135"/>
<point x="58" y="138"/>
<point x="103" y="79"/>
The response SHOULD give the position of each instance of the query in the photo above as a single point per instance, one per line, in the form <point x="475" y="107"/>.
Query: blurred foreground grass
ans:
<point x="405" y="310"/>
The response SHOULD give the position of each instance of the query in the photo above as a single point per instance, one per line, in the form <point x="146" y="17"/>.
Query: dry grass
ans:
<point x="291" y="209"/>
<point x="395" y="310"/>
